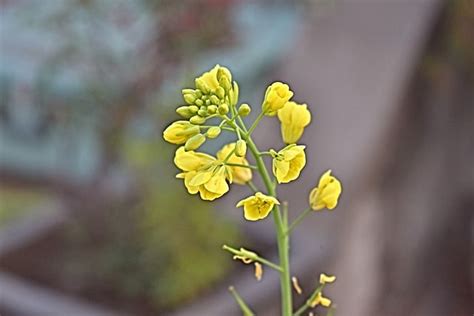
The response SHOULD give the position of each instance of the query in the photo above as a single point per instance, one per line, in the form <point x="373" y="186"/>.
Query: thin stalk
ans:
<point x="282" y="238"/>
<point x="252" y="186"/>
<point x="298" y="220"/>
<point x="243" y="306"/>
<point x="309" y="301"/>
<point x="241" y="166"/>
<point x="255" y="123"/>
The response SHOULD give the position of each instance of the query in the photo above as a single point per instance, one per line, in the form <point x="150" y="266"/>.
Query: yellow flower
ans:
<point x="288" y="163"/>
<point x="326" y="194"/>
<point x="179" y="132"/>
<point x="320" y="300"/>
<point x="203" y="173"/>
<point x="276" y="96"/>
<point x="257" y="206"/>
<point x="240" y="175"/>
<point x="324" y="278"/>
<point x="208" y="81"/>
<point x="293" y="117"/>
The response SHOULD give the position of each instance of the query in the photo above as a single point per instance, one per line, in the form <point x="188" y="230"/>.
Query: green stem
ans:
<point x="255" y="123"/>
<point x="282" y="238"/>
<point x="298" y="220"/>
<point x="252" y="186"/>
<point x="243" y="306"/>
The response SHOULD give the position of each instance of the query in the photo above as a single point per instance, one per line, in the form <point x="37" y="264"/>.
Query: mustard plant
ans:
<point x="212" y="106"/>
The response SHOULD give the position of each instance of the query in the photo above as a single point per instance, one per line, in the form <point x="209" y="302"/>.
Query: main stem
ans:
<point x="281" y="228"/>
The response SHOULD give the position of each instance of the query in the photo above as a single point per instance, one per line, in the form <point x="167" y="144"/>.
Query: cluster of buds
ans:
<point x="214" y="94"/>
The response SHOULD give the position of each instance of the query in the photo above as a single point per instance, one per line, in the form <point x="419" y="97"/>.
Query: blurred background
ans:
<point x="93" y="222"/>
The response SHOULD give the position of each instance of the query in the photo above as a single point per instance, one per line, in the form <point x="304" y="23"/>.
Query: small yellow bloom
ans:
<point x="324" y="278"/>
<point x="320" y="300"/>
<point x="208" y="81"/>
<point x="203" y="173"/>
<point x="276" y="96"/>
<point x="294" y="118"/>
<point x="326" y="194"/>
<point x="288" y="163"/>
<point x="258" y="271"/>
<point x="179" y="132"/>
<point x="257" y="206"/>
<point x="240" y="175"/>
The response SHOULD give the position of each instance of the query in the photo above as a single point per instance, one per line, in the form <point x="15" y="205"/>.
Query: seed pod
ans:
<point x="213" y="132"/>
<point x="240" y="148"/>
<point x="194" y="142"/>
<point x="244" y="110"/>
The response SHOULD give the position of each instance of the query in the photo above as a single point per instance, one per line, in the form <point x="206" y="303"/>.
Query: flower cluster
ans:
<point x="212" y="107"/>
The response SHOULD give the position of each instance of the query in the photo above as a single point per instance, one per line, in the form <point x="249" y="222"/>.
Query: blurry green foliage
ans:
<point x="15" y="203"/>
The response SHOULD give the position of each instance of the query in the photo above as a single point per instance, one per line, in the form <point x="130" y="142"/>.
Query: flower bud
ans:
<point x="223" y="72"/>
<point x="193" y="109"/>
<point x="189" y="98"/>
<point x="244" y="110"/>
<point x="223" y="108"/>
<point x="202" y="113"/>
<point x="198" y="120"/>
<point x="220" y="92"/>
<point x="214" y="100"/>
<point x="201" y="85"/>
<point x="212" y="109"/>
<point x="208" y="102"/>
<point x="199" y="102"/>
<point x="179" y="132"/>
<point x="225" y="83"/>
<point x="276" y="96"/>
<point x="208" y="81"/>
<point x="194" y="142"/>
<point x="184" y="111"/>
<point x="213" y="132"/>
<point x="234" y="94"/>
<point x="198" y="93"/>
<point x="188" y="91"/>
<point x="240" y="148"/>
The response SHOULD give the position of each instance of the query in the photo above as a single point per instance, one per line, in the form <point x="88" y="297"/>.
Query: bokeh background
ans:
<point x="93" y="222"/>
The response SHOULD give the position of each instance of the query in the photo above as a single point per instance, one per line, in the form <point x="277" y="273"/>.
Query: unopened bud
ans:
<point x="212" y="109"/>
<point x="220" y="92"/>
<point x="189" y="98"/>
<point x="198" y="93"/>
<point x="198" y="120"/>
<point x="244" y="110"/>
<point x="199" y="102"/>
<point x="202" y="113"/>
<point x="184" y="111"/>
<point x="213" y="132"/>
<point x="223" y="108"/>
<point x="224" y="72"/>
<point x="214" y="100"/>
<point x="195" y="142"/>
<point x="240" y="148"/>
<point x="234" y="94"/>
<point x="193" y="109"/>
<point x="188" y="91"/>
<point x="201" y="85"/>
